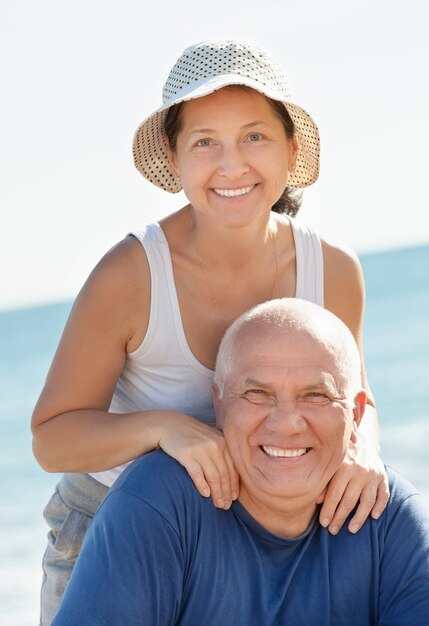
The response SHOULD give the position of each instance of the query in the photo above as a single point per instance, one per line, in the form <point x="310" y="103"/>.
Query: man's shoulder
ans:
<point x="405" y="499"/>
<point x="405" y="512"/>
<point x="159" y="481"/>
<point x="399" y="481"/>
<point x="153" y="472"/>
<point x="400" y="487"/>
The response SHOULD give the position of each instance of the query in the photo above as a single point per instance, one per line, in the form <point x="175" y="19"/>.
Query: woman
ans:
<point x="134" y="367"/>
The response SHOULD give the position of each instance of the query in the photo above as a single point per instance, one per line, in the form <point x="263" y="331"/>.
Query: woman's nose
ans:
<point x="232" y="163"/>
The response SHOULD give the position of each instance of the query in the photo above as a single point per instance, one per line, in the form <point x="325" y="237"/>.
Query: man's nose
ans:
<point x="233" y="163"/>
<point x="287" y="418"/>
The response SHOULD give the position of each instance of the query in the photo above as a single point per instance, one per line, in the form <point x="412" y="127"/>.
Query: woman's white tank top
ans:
<point x="163" y="373"/>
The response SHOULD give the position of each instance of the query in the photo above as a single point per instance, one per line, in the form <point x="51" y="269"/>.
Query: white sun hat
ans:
<point x="205" y="68"/>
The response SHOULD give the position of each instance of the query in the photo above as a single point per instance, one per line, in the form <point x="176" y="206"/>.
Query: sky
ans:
<point x="78" y="77"/>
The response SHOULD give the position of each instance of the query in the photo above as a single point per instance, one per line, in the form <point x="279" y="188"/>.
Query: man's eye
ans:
<point x="255" y="395"/>
<point x="316" y="397"/>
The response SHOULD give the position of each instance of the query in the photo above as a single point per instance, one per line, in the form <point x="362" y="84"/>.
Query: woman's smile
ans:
<point x="234" y="193"/>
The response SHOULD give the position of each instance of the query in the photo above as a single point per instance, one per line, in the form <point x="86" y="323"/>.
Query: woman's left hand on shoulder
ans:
<point x="361" y="478"/>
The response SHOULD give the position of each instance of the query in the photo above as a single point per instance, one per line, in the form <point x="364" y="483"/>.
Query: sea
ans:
<point x="396" y="335"/>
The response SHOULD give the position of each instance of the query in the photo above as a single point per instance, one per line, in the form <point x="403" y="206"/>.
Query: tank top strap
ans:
<point x="156" y="249"/>
<point x="309" y="263"/>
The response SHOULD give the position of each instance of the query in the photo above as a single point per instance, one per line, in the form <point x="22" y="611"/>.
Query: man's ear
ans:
<point x="358" y="411"/>
<point x="216" y="402"/>
<point x="171" y="157"/>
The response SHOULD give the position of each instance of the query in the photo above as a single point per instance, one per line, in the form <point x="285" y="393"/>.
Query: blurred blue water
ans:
<point x="397" y="359"/>
<point x="28" y="338"/>
<point x="397" y="356"/>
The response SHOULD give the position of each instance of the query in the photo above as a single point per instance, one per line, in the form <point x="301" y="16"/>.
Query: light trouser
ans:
<point x="68" y="514"/>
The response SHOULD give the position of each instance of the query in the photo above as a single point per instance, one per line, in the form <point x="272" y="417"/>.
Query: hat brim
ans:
<point x="150" y="155"/>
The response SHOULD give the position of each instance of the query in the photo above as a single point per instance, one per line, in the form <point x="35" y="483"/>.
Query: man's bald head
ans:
<point x="292" y="317"/>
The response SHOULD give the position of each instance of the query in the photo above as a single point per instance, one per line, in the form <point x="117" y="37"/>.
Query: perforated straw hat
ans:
<point x="205" y="68"/>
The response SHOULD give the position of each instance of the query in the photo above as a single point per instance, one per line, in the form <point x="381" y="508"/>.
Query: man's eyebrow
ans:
<point x="319" y="383"/>
<point x="252" y="382"/>
<point x="322" y="384"/>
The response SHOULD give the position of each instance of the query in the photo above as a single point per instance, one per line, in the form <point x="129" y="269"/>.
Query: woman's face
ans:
<point x="232" y="156"/>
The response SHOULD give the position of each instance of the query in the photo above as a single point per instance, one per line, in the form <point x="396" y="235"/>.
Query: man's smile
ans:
<point x="273" y="451"/>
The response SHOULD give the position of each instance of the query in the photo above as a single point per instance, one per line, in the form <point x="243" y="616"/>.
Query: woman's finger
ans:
<point x="348" y="501"/>
<point x="196" y="473"/>
<point x="368" y="498"/>
<point x="321" y="498"/>
<point x="235" y="480"/>
<point x="334" y="493"/>
<point x="218" y="479"/>
<point x="383" y="495"/>
<point x="225" y="484"/>
<point x="211" y="481"/>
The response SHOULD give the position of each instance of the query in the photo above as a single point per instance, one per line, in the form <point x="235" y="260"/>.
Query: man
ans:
<point x="288" y="398"/>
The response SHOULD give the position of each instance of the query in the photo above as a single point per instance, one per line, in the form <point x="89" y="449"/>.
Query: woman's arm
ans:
<point x="73" y="430"/>
<point x="361" y="478"/>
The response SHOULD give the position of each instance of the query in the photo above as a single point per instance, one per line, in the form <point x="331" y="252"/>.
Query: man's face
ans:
<point x="285" y="416"/>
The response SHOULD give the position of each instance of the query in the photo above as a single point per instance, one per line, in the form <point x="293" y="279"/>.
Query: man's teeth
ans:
<point x="230" y="193"/>
<point x="282" y="452"/>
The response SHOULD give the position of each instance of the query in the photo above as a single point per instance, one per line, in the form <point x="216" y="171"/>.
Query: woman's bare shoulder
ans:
<point x="127" y="256"/>
<point x="118" y="291"/>
<point x="339" y="256"/>
<point x="344" y="283"/>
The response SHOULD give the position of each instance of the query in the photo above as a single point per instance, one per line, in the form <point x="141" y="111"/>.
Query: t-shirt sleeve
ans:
<point x="115" y="580"/>
<point x="404" y="573"/>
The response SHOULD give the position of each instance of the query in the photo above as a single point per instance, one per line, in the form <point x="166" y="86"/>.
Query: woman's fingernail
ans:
<point x="220" y="503"/>
<point x="354" y="528"/>
<point x="325" y="522"/>
<point x="334" y="530"/>
<point x="206" y="492"/>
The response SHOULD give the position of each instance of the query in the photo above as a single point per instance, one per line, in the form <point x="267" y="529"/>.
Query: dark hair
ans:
<point x="290" y="201"/>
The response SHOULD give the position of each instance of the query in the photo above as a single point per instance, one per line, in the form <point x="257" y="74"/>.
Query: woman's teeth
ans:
<point x="271" y="451"/>
<point x="231" y="193"/>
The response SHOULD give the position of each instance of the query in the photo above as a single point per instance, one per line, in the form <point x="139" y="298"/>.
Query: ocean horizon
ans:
<point x="396" y="338"/>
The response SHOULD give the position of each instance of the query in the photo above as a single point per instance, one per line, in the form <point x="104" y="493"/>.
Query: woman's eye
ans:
<point x="254" y="137"/>
<point x="203" y="143"/>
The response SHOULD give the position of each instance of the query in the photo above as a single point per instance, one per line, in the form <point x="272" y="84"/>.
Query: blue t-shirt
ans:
<point x="158" y="554"/>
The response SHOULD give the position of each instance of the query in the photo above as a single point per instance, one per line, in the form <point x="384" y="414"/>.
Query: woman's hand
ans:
<point x="203" y="452"/>
<point x="360" y="478"/>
